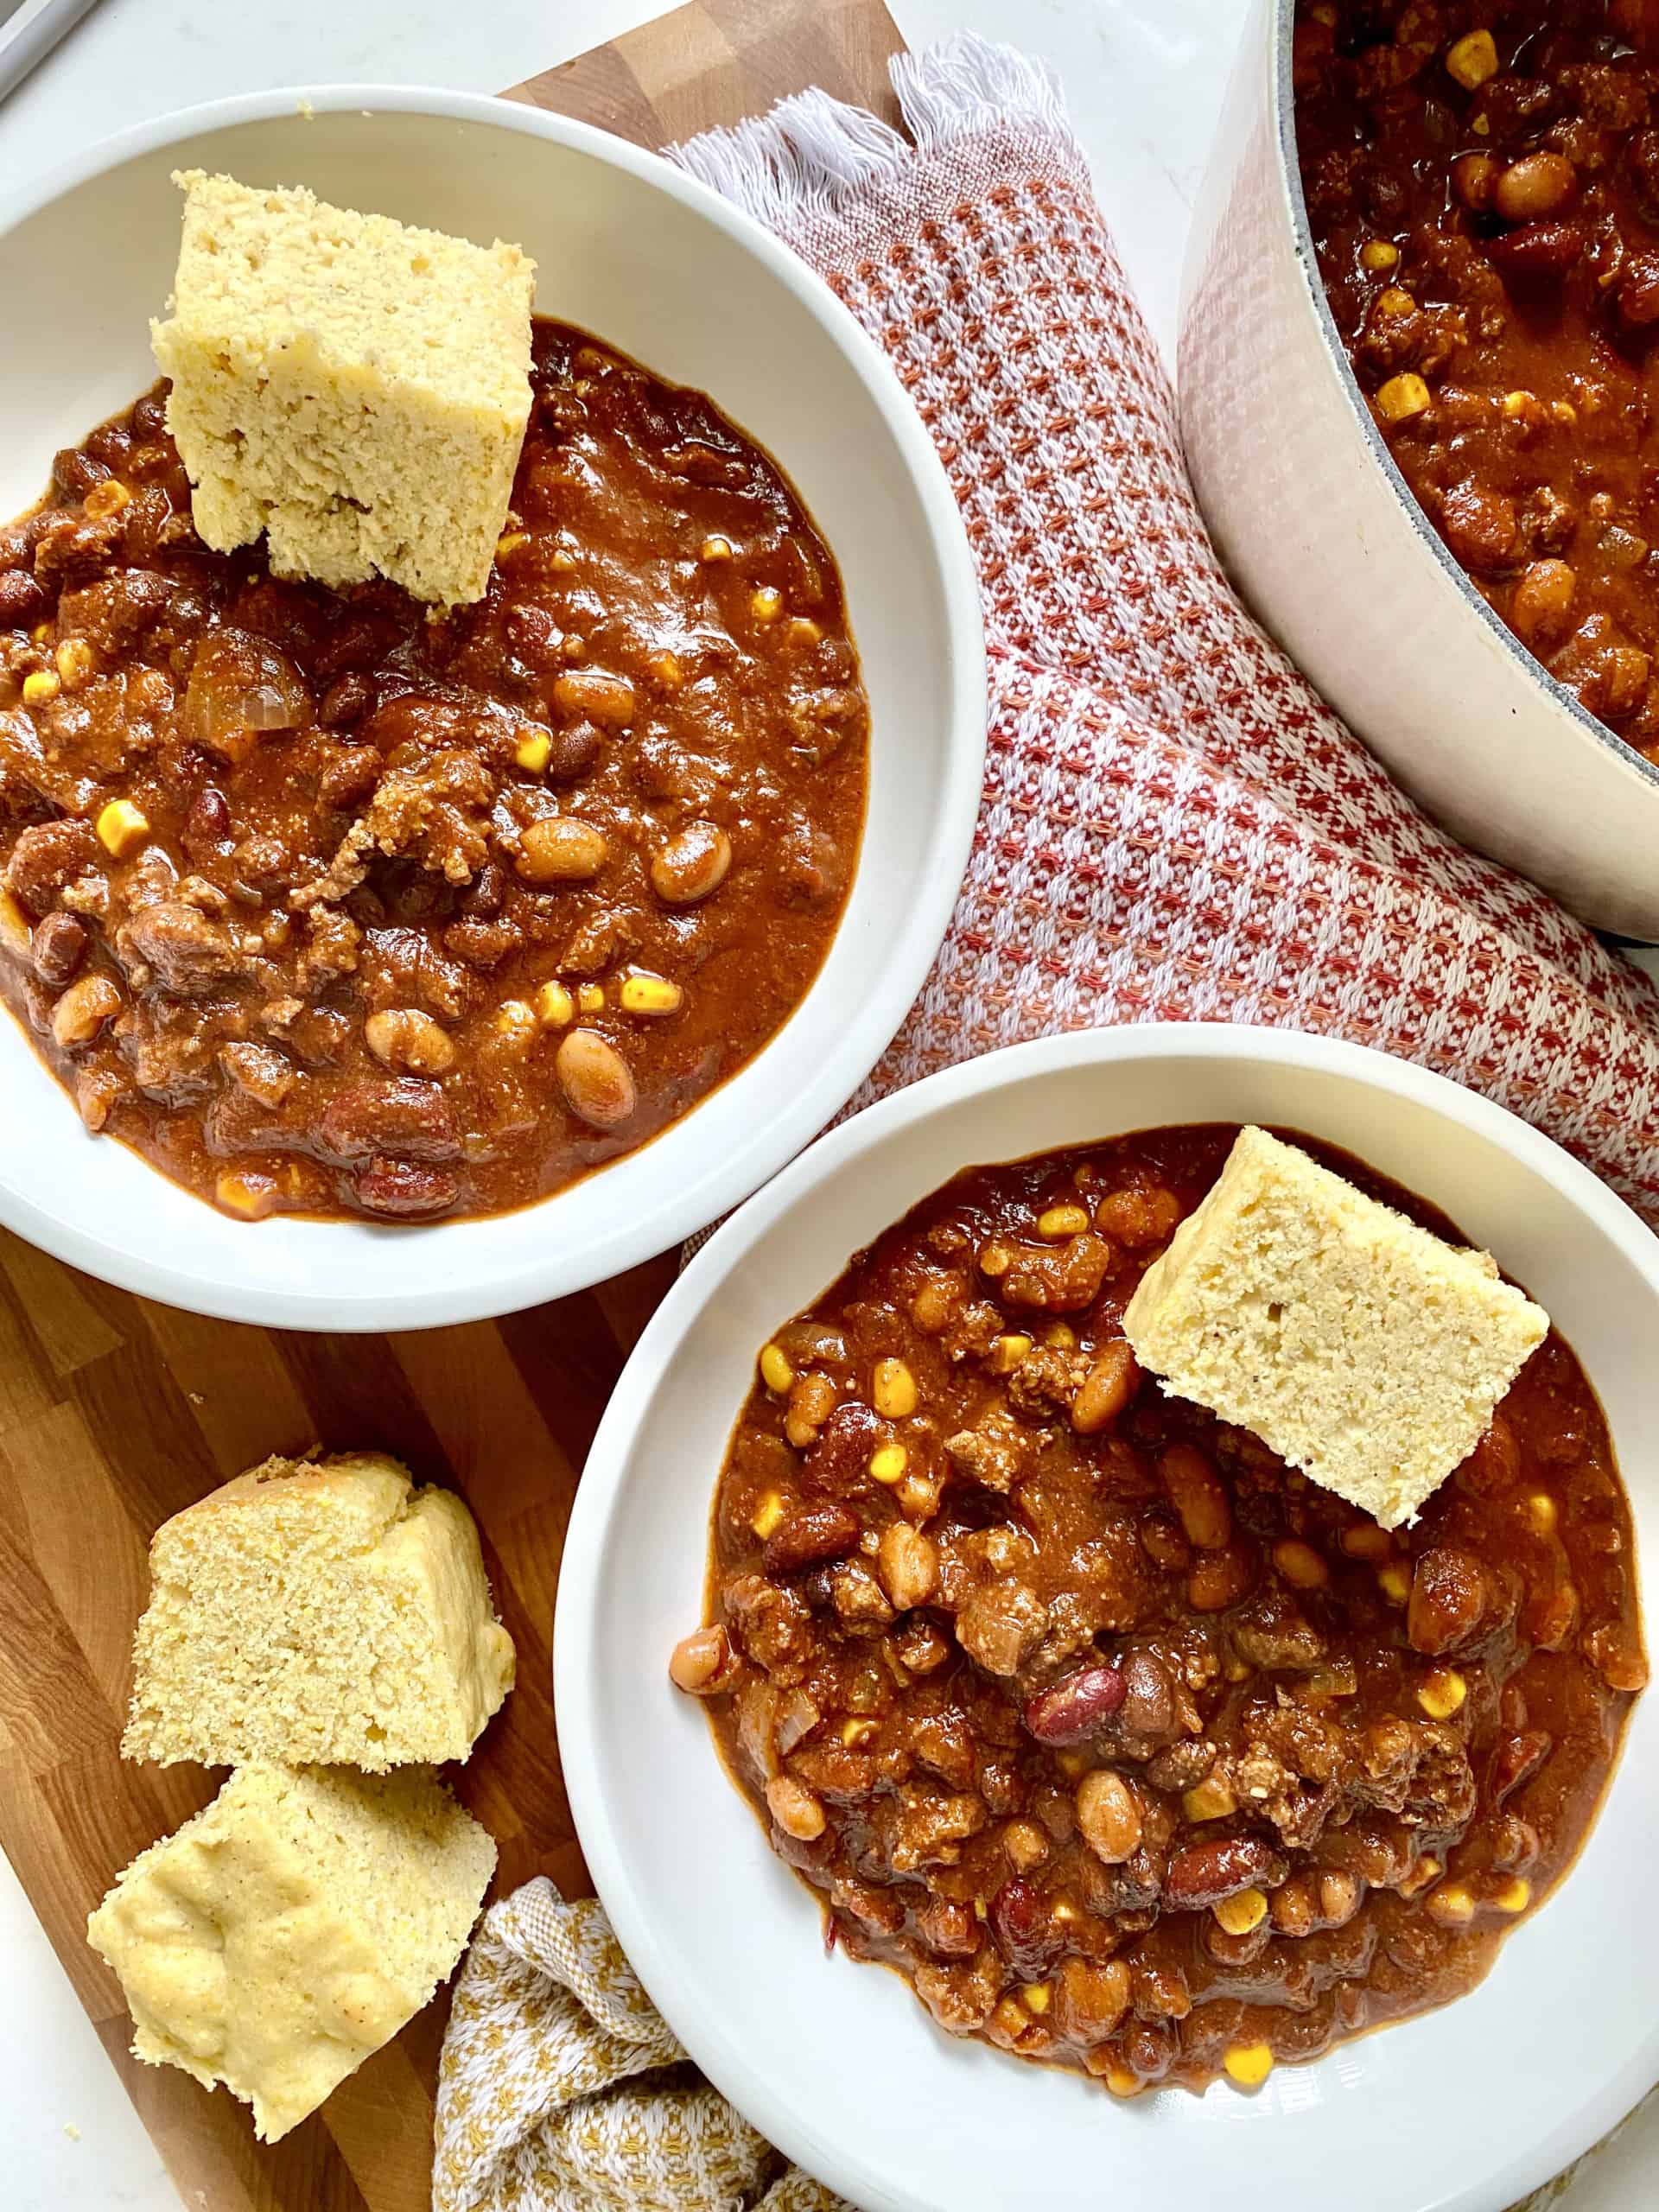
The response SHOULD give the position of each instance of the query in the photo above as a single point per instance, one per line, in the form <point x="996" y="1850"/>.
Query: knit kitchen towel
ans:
<point x="561" y="2090"/>
<point x="1174" y="826"/>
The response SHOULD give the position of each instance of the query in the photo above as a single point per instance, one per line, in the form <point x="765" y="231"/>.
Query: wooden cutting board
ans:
<point x="114" y="1412"/>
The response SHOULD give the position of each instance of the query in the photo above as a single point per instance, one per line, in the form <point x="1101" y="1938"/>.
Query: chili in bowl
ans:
<point x="965" y="1814"/>
<point x="546" y="927"/>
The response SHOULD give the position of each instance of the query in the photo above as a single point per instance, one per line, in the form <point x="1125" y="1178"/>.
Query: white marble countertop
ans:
<point x="1144" y="78"/>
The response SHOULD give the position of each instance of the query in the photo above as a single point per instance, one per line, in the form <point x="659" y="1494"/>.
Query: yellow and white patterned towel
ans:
<point x="562" y="2090"/>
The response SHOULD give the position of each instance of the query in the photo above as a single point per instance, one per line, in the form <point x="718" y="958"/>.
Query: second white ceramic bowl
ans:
<point x="633" y="250"/>
<point x="1462" y="2111"/>
<point x="1319" y="530"/>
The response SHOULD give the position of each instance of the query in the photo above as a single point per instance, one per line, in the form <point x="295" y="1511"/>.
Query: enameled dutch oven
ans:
<point x="1320" y="532"/>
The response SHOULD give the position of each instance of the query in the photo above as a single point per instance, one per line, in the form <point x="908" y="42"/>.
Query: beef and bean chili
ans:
<point x="330" y="903"/>
<point x="1133" y="1749"/>
<point x="1482" y="179"/>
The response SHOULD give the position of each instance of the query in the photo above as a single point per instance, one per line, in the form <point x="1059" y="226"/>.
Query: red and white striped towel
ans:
<point x="1174" y="826"/>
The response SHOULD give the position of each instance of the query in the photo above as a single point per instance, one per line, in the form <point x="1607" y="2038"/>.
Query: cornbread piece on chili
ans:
<point x="357" y="389"/>
<point x="1357" y="1346"/>
<point x="328" y="1612"/>
<point x="291" y="1927"/>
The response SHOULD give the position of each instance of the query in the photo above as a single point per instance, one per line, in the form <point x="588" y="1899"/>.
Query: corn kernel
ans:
<point x="14" y="926"/>
<point x="1442" y="1693"/>
<point x="643" y="993"/>
<point x="888" y="1462"/>
<point x="43" y="685"/>
<point x="553" y="1006"/>
<point x="893" y="1390"/>
<point x="802" y="631"/>
<point x="767" y="1515"/>
<point x="1377" y="254"/>
<point x="106" y="499"/>
<point x="1248" y="2064"/>
<point x="1056" y="1222"/>
<point x="1065" y="1912"/>
<point x="1062" y="1338"/>
<point x="76" y="661"/>
<point x="1483" y="124"/>
<point x="562" y="562"/>
<point x="1208" y="1800"/>
<point x="1073" y="1764"/>
<point x="590" y="997"/>
<point x="1565" y="413"/>
<point x="714" y="549"/>
<point x="1395" y="301"/>
<point x="994" y="1259"/>
<point x="1472" y="59"/>
<point x="1418" y="1875"/>
<point x="1394" y="1581"/>
<point x="513" y="1018"/>
<point x="766" y="604"/>
<point x="1240" y="1913"/>
<point x="1452" y="1904"/>
<point x="1238" y="1670"/>
<point x="508" y="542"/>
<point x="1121" y="2082"/>
<point x="41" y="635"/>
<point x="1010" y="2018"/>
<point x="1403" y="396"/>
<point x="1036" y="1994"/>
<point x="1008" y="1352"/>
<point x="534" y="752"/>
<point x="1540" y="1512"/>
<point x="1517" y="405"/>
<point x="251" y="1197"/>
<point x="856" y="1732"/>
<point x="775" y="1370"/>
<point x="122" y="828"/>
<point x="666" y="669"/>
<point x="1514" y="1895"/>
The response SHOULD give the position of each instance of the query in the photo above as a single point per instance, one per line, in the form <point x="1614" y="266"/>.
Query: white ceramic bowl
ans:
<point x="1317" y="528"/>
<point x="650" y="260"/>
<point x="1462" y="2111"/>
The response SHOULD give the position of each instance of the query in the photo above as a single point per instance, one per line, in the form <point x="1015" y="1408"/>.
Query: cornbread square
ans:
<point x="357" y="389"/>
<point x="1357" y="1346"/>
<point x="317" y="1611"/>
<point x="290" y="1929"/>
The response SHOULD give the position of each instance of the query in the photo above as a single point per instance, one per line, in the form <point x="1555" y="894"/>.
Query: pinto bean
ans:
<point x="1202" y="1874"/>
<point x="1449" y="1595"/>
<point x="1108" y="1814"/>
<point x="1074" y="1708"/>
<point x="819" y="1532"/>
<point x="692" y="865"/>
<point x="561" y="848"/>
<point x="699" y="1662"/>
<point x="594" y="1078"/>
<point x="908" y="1565"/>
<point x="1107" y="1388"/>
<point x="1198" y="1496"/>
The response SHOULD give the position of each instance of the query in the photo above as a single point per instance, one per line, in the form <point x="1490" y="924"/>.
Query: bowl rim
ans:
<point x="831" y="1072"/>
<point x="1279" y="16"/>
<point x="722" y="2055"/>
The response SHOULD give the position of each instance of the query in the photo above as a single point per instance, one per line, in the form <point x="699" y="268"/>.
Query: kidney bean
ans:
<point x="404" y="1190"/>
<point x="58" y="946"/>
<point x="1517" y="1758"/>
<point x="207" y="824"/>
<point x="346" y="700"/>
<point x="815" y="1533"/>
<point x="1538" y="251"/>
<point x="594" y="1078"/>
<point x="1024" y="1929"/>
<point x="21" y="600"/>
<point x="1074" y="1708"/>
<point x="404" y="1116"/>
<point x="1203" y="1874"/>
<point x="840" y="1459"/>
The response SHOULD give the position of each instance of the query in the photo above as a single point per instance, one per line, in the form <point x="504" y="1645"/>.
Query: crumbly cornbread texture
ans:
<point x="291" y="1927"/>
<point x="326" y="1611"/>
<point x="1360" y="1348"/>
<point x="357" y="389"/>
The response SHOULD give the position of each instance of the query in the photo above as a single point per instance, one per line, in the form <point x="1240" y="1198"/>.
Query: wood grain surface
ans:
<point x="115" y="1412"/>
